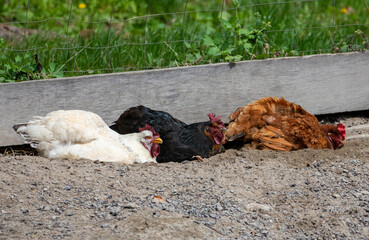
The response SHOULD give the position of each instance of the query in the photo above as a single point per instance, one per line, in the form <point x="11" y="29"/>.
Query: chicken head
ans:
<point x="150" y="140"/>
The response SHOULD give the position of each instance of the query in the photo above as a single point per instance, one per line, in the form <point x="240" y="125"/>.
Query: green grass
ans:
<point x="98" y="45"/>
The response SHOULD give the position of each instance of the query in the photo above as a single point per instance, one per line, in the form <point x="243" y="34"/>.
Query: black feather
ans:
<point x="180" y="141"/>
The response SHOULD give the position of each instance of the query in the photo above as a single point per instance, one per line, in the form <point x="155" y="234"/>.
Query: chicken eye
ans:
<point x="147" y="137"/>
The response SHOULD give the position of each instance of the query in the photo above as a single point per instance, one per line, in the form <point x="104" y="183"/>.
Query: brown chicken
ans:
<point x="276" y="124"/>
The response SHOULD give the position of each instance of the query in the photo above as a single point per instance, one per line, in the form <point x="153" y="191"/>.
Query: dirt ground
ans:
<point x="240" y="194"/>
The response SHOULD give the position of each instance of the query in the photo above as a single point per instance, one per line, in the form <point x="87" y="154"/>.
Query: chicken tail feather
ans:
<point x="18" y="126"/>
<point x="21" y="130"/>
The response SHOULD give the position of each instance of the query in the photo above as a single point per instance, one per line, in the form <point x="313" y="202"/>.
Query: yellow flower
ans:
<point x="82" y="5"/>
<point x="344" y="10"/>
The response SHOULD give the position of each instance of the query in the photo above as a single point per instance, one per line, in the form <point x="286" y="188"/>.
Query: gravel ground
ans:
<point x="240" y="194"/>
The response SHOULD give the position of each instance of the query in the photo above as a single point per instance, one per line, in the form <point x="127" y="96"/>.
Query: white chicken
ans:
<point x="77" y="134"/>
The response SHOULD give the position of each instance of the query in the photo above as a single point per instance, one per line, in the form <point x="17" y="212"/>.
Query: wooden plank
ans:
<point x="321" y="84"/>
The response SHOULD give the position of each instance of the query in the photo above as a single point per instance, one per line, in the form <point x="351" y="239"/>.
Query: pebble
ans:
<point x="105" y="225"/>
<point x="219" y="207"/>
<point x="335" y="195"/>
<point x="67" y="187"/>
<point x="357" y="195"/>
<point x="57" y="210"/>
<point x="69" y="214"/>
<point x="258" y="207"/>
<point x="210" y="223"/>
<point x="213" y="215"/>
<point x="23" y="210"/>
<point x="156" y="214"/>
<point x="130" y="205"/>
<point x="114" y="211"/>
<point x="44" y="208"/>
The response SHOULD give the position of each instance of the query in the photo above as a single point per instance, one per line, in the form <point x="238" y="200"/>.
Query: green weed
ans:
<point x="102" y="38"/>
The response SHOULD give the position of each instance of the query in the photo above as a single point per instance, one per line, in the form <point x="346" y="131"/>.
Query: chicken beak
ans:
<point x="157" y="140"/>
<point x="223" y="130"/>
<point x="341" y="143"/>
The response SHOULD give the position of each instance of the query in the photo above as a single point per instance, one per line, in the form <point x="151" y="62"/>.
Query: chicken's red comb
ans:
<point x="214" y="118"/>
<point x="149" y="128"/>
<point x="342" y="129"/>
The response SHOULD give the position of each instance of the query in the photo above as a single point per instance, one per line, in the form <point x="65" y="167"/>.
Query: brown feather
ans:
<point x="272" y="123"/>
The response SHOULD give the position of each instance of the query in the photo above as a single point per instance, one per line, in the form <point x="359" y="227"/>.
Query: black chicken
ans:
<point x="180" y="141"/>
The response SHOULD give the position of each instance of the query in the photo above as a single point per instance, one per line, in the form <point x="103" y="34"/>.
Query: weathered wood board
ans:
<point x="321" y="84"/>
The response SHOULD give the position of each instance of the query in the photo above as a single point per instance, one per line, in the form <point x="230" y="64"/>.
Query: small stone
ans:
<point x="156" y="214"/>
<point x="67" y="187"/>
<point x="293" y="185"/>
<point x="258" y="207"/>
<point x="219" y="207"/>
<point x="357" y="195"/>
<point x="213" y="215"/>
<point x="23" y="210"/>
<point x="44" y="208"/>
<point x="105" y="225"/>
<point x="130" y="206"/>
<point x="57" y="210"/>
<point x="365" y="231"/>
<point x="335" y="195"/>
<point x="354" y="161"/>
<point x="69" y="214"/>
<point x="210" y="223"/>
<point x="114" y="211"/>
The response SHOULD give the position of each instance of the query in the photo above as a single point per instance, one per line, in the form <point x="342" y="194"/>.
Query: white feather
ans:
<point x="77" y="134"/>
